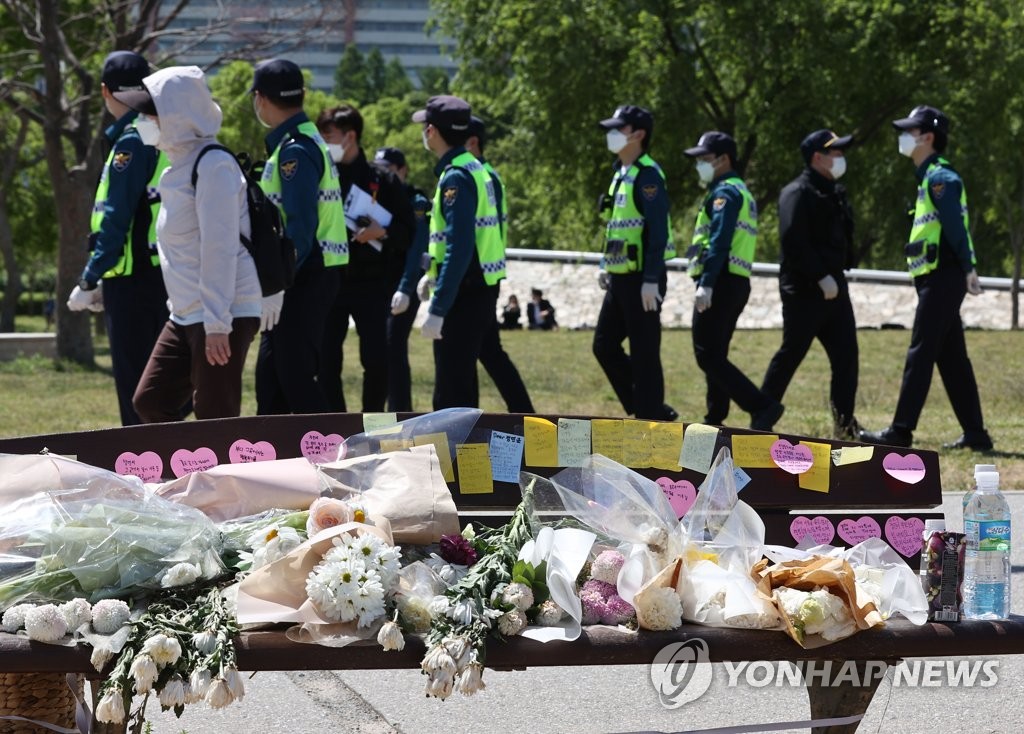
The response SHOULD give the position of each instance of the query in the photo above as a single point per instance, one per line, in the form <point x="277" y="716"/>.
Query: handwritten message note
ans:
<point x="185" y="462"/>
<point x="318" y="448"/>
<point x="753" y="451"/>
<point x="573" y="441"/>
<point x="378" y="422"/>
<point x="666" y="443"/>
<point x="244" y="452"/>
<point x="541" y="441"/>
<point x="147" y="466"/>
<point x="819" y="529"/>
<point x="474" y="462"/>
<point x="816" y="477"/>
<point x="698" y="447"/>
<point x="444" y="454"/>
<point x="852" y="455"/>
<point x="636" y="443"/>
<point x="908" y="469"/>
<point x="606" y="436"/>
<point x="395" y="444"/>
<point x="506" y="450"/>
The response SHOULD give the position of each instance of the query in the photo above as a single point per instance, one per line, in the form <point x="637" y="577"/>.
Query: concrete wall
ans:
<point x="27" y="344"/>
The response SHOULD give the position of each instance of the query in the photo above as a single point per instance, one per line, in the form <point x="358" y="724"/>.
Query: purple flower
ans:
<point x="617" y="611"/>
<point x="458" y="550"/>
<point x="601" y="588"/>
<point x="593" y="607"/>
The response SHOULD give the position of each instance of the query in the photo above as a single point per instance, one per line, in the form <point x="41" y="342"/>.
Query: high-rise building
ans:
<point x="314" y="34"/>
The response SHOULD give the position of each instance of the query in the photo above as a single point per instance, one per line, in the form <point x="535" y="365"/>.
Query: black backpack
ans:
<point x="270" y="248"/>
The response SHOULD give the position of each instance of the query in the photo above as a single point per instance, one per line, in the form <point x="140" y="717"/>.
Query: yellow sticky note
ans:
<point x="474" y="460"/>
<point x="636" y="443"/>
<point x="380" y="422"/>
<point x="606" y="437"/>
<point x="444" y="454"/>
<point x="698" y="448"/>
<point x="666" y="443"/>
<point x="852" y="455"/>
<point x="573" y="441"/>
<point x="541" y="441"/>
<point x="753" y="452"/>
<point x="816" y="478"/>
<point x="395" y="444"/>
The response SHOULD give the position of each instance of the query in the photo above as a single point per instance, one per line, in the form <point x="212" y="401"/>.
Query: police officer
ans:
<point x="816" y="232"/>
<point x="941" y="260"/>
<point x="404" y="301"/>
<point x="301" y="179"/>
<point x="376" y="259"/>
<point x="493" y="356"/>
<point x="467" y="258"/>
<point x="124" y="259"/>
<point x="638" y="240"/>
<point x="721" y="258"/>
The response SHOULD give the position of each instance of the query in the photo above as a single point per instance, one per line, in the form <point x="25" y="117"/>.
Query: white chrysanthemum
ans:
<point x="173" y="693"/>
<point x="518" y="595"/>
<point x="817" y="612"/>
<point x="440" y="684"/>
<point x="14" y="617"/>
<point x="549" y="614"/>
<point x="45" y="623"/>
<point x="660" y="609"/>
<point x="219" y="694"/>
<point x="145" y="673"/>
<point x="272" y="544"/>
<point x="390" y="636"/>
<point x="470" y="680"/>
<point x="101" y="655"/>
<point x="235" y="684"/>
<point x="163" y="649"/>
<point x="414" y="612"/>
<point x="199" y="684"/>
<point x="450" y="573"/>
<point x="491" y="614"/>
<point x="437" y="660"/>
<point x="205" y="641"/>
<point x="109" y="615"/>
<point x="438" y="606"/>
<point x="462" y="612"/>
<point x="461" y="651"/>
<point x="656" y="538"/>
<point x="77" y="612"/>
<point x="181" y="574"/>
<point x="511" y="623"/>
<point x="110" y="709"/>
<point x="346" y="590"/>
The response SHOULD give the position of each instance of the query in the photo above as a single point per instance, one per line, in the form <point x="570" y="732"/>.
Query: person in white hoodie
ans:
<point x="213" y="292"/>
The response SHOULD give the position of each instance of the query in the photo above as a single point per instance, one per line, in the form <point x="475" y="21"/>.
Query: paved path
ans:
<point x="595" y="699"/>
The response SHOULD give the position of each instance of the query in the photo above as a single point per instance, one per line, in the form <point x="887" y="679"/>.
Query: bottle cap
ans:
<point x="979" y="468"/>
<point x="988" y="480"/>
<point x="935" y="525"/>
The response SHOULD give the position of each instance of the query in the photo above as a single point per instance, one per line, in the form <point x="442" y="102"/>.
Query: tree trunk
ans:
<point x="73" y="195"/>
<point x="10" y="300"/>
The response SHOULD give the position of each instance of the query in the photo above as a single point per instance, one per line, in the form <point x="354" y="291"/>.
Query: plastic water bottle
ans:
<point x="987" y="574"/>
<point x="978" y="469"/>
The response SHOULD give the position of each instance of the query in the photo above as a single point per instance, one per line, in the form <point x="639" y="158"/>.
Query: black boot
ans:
<point x="974" y="440"/>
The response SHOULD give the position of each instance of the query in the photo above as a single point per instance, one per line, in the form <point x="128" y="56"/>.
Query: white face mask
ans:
<point x="337" y="151"/>
<point x="838" y="167"/>
<point x="616" y="140"/>
<point x="907" y="144"/>
<point x="706" y="171"/>
<point x="426" y="142"/>
<point x="256" y="109"/>
<point x="148" y="129"/>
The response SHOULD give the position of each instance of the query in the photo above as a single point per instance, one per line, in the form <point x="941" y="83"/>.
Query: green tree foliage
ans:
<point x="366" y="79"/>
<point x="433" y="80"/>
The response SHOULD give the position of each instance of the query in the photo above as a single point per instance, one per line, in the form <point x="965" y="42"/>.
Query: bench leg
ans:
<point x="836" y="692"/>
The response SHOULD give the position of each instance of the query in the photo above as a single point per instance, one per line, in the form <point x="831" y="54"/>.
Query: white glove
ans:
<point x="424" y="287"/>
<point x="702" y="299"/>
<point x="829" y="287"/>
<point x="604" y="280"/>
<point x="270" y="310"/>
<point x="649" y="296"/>
<point x="973" y="286"/>
<point x="432" y="326"/>
<point x="399" y="303"/>
<point x="80" y="300"/>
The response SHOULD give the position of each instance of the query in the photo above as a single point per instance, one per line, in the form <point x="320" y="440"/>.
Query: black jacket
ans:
<point x="816" y="234"/>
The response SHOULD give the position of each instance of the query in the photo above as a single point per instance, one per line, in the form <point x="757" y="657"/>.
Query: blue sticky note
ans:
<point x="506" y="451"/>
<point x="741" y="478"/>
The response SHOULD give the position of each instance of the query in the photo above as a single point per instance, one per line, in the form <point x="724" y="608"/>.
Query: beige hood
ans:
<point x="185" y="106"/>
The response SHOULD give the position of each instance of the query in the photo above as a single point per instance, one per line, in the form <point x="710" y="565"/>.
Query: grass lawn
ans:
<point x="563" y="378"/>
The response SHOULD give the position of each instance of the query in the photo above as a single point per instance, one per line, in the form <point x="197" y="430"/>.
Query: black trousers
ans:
<point x="712" y="332"/>
<point x="399" y="372"/>
<point x="636" y="377"/>
<point x="289" y="356"/>
<point x="367" y="303"/>
<point x="457" y="352"/>
<point x="804" y="319"/>
<point x="937" y="339"/>
<point x="503" y="372"/>
<point x="135" y="311"/>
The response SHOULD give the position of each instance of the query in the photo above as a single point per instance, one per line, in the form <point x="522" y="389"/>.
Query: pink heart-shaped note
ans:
<point x="793" y="459"/>
<point x="243" y="452"/>
<point x="681" y="494"/>
<point x="905" y="535"/>
<point x="819" y="528"/>
<point x="319" y="448"/>
<point x="908" y="469"/>
<point x="147" y="466"/>
<point x="185" y="462"/>
<point x="854" y="531"/>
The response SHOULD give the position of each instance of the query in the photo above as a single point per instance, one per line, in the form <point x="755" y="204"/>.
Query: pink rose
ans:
<point x="326" y="513"/>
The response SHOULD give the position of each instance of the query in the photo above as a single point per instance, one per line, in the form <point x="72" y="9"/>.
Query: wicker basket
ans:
<point x="39" y="696"/>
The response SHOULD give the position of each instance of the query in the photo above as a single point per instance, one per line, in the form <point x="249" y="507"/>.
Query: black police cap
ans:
<point x="821" y="140"/>
<point x="279" y="78"/>
<point x="636" y="117"/>
<point x="715" y="142"/>
<point x="124" y="70"/>
<point x="478" y="129"/>
<point x="394" y="156"/>
<point x="446" y="112"/>
<point x="925" y="118"/>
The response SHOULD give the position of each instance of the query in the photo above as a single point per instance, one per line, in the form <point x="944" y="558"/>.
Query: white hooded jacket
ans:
<point x="209" y="275"/>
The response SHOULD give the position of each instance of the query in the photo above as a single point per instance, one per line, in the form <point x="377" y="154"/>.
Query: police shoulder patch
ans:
<point x="718" y="204"/>
<point x="289" y="168"/>
<point x="650" y="191"/>
<point x="450" y="194"/>
<point x="122" y="159"/>
<point x="938" y="189"/>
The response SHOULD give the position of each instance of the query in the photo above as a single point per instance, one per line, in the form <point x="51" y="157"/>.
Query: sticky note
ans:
<point x="506" y="450"/>
<point x="606" y="437"/>
<point x="375" y="422"/>
<point x="147" y="466"/>
<point x="185" y="462"/>
<point x="244" y="452"/>
<point x="908" y="469"/>
<point x="741" y="478"/>
<point x="320" y="449"/>
<point x="753" y="451"/>
<point x="474" y="462"/>
<point x="666" y="442"/>
<point x="395" y="444"/>
<point x="698" y="447"/>
<point x="636" y="443"/>
<point x="816" y="478"/>
<point x="573" y="441"/>
<point x="541" y="441"/>
<point x="852" y="455"/>
<point x="444" y="454"/>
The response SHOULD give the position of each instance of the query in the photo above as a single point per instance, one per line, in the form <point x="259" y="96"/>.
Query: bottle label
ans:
<point x="994" y="535"/>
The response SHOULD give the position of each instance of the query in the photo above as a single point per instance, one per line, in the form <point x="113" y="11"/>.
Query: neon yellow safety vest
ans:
<point x="331" y="234"/>
<point x="624" y="232"/>
<point x="502" y="205"/>
<point x="925" y="233"/>
<point x="489" y="246"/>
<point x="744" y="237"/>
<point x="125" y="264"/>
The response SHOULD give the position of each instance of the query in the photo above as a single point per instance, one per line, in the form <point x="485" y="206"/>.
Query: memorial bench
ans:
<point x="860" y="490"/>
